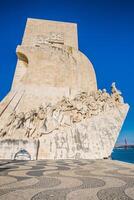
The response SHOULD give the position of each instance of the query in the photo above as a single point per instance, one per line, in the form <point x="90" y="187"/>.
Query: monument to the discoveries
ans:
<point x="54" y="109"/>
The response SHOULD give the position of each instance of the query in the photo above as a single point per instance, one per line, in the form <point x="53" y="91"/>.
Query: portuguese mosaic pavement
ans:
<point x="66" y="179"/>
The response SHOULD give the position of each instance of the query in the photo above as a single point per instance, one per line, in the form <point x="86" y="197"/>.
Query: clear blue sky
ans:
<point x="106" y="36"/>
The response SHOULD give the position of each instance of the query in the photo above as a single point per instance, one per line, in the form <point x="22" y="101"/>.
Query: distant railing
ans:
<point x="124" y="146"/>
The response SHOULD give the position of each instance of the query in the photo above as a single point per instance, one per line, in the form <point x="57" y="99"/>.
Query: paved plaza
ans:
<point x="66" y="179"/>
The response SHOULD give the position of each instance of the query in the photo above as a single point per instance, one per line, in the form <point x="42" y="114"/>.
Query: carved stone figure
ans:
<point x="30" y="123"/>
<point x="104" y="95"/>
<point x="116" y="94"/>
<point x="11" y="118"/>
<point x="19" y="121"/>
<point x="7" y="127"/>
<point x="114" y="89"/>
<point x="93" y="106"/>
<point x="41" y="113"/>
<point x="4" y="131"/>
<point x="76" y="116"/>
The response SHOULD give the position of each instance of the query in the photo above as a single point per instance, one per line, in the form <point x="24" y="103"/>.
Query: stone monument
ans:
<point x="54" y="109"/>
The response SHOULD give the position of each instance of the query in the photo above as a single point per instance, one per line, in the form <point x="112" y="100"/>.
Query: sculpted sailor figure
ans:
<point x="41" y="112"/>
<point x="98" y="94"/>
<point x="76" y="116"/>
<point x="104" y="95"/>
<point x="18" y="123"/>
<point x="104" y="99"/>
<point x="47" y="125"/>
<point x="8" y="125"/>
<point x="41" y="115"/>
<point x="47" y="122"/>
<point x="58" y="110"/>
<point x="20" y="119"/>
<point x="114" y="89"/>
<point x="11" y="118"/>
<point x="27" y="123"/>
<point x="30" y="123"/>
<point x="116" y="94"/>
<point x="11" y="121"/>
<point x="93" y="106"/>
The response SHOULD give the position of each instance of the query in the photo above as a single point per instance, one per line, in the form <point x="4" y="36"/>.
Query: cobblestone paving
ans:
<point x="66" y="179"/>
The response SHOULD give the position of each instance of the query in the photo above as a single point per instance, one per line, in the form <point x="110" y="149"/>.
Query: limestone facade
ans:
<point x="54" y="109"/>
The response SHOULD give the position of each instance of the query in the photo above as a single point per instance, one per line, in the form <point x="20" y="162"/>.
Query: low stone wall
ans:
<point x="19" y="149"/>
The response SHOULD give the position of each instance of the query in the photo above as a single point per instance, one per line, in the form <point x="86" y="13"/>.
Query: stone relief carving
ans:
<point x="66" y="112"/>
<point x="51" y="37"/>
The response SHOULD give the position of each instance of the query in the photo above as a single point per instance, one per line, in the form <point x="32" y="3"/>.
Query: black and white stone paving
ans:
<point x="66" y="180"/>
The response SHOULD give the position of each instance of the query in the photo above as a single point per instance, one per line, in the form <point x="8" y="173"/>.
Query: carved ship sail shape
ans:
<point x="54" y="109"/>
